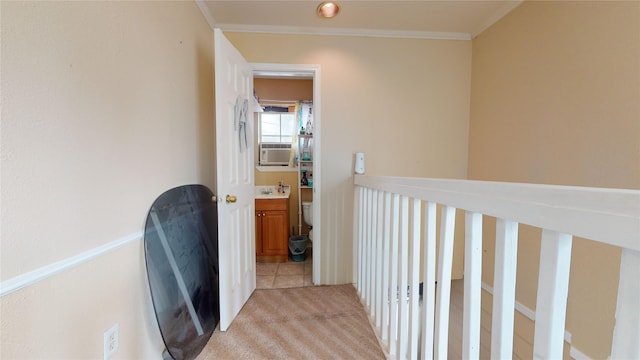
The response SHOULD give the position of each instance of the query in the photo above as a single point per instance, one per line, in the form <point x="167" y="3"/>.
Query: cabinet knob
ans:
<point x="231" y="199"/>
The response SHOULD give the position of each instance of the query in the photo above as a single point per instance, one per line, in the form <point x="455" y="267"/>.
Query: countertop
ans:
<point x="271" y="192"/>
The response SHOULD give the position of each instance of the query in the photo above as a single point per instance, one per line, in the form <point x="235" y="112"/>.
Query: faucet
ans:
<point x="281" y="186"/>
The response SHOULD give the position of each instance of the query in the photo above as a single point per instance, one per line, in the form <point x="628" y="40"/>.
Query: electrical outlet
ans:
<point x="111" y="341"/>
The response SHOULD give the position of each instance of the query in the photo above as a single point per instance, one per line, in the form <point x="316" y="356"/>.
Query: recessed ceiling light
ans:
<point x="328" y="9"/>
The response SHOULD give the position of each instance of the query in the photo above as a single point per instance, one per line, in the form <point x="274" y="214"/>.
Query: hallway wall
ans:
<point x="105" y="105"/>
<point x="554" y="100"/>
<point x="403" y="102"/>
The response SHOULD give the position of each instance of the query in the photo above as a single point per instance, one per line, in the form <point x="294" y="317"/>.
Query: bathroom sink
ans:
<point x="271" y="192"/>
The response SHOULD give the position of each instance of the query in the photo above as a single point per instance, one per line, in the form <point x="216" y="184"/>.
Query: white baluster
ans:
<point x="386" y="249"/>
<point x="504" y="283"/>
<point x="626" y="334"/>
<point x="443" y="291"/>
<point x="365" y="215"/>
<point x="472" y="286"/>
<point x="379" y="268"/>
<point x="368" y="253"/>
<point x="372" y="255"/>
<point x="553" y="287"/>
<point x="429" y="277"/>
<point x="360" y="237"/>
<point x="393" y="288"/>
<point x="402" y="288"/>
<point x="414" y="278"/>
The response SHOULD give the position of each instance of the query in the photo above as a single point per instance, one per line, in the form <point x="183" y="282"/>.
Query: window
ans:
<point x="277" y="128"/>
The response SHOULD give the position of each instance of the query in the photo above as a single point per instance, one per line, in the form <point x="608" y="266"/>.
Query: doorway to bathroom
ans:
<point x="308" y="75"/>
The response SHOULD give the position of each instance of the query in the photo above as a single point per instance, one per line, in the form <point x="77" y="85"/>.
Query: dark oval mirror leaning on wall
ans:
<point x="181" y="253"/>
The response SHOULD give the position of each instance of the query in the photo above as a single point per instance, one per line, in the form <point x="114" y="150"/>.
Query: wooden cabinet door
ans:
<point x="275" y="232"/>
<point x="272" y="230"/>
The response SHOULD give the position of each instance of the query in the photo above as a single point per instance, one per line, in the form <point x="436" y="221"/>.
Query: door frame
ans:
<point x="311" y="71"/>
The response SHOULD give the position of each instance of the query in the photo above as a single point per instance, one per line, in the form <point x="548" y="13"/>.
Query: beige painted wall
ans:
<point x="556" y="100"/>
<point x="283" y="89"/>
<point x="105" y="105"/>
<point x="404" y="102"/>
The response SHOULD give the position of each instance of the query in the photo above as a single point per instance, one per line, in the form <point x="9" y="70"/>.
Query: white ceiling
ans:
<point x="447" y="19"/>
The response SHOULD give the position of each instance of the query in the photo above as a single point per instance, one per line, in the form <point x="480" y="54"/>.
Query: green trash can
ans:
<point x="298" y="247"/>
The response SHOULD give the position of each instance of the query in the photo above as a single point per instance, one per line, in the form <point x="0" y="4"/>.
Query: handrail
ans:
<point x="580" y="211"/>
<point x="395" y="216"/>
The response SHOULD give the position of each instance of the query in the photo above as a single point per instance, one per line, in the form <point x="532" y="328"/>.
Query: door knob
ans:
<point x="231" y="199"/>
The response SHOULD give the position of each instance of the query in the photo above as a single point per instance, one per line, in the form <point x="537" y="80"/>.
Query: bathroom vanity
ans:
<point x="272" y="226"/>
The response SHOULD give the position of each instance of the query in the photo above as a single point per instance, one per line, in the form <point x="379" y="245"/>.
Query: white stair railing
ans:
<point x="396" y="216"/>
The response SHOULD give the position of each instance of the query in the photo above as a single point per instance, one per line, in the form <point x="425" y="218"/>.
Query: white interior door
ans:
<point x="234" y="148"/>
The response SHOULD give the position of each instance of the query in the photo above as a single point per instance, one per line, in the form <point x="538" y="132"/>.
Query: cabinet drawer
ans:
<point x="272" y="204"/>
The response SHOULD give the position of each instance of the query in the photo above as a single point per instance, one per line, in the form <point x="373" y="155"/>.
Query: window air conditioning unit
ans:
<point x="274" y="154"/>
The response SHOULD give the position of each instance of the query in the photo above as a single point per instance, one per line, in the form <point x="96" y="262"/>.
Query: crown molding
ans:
<point x="302" y="30"/>
<point x="206" y="13"/>
<point x="504" y="10"/>
<point x="294" y="30"/>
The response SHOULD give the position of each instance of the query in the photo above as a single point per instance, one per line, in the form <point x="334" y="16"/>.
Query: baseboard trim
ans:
<point x="29" y="278"/>
<point x="577" y="354"/>
<point x="524" y="310"/>
<point x="529" y="313"/>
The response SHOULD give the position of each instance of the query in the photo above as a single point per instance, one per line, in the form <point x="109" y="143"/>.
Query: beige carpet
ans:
<point x="319" y="322"/>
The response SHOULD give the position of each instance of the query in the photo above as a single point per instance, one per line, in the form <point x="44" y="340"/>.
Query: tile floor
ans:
<point x="284" y="275"/>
